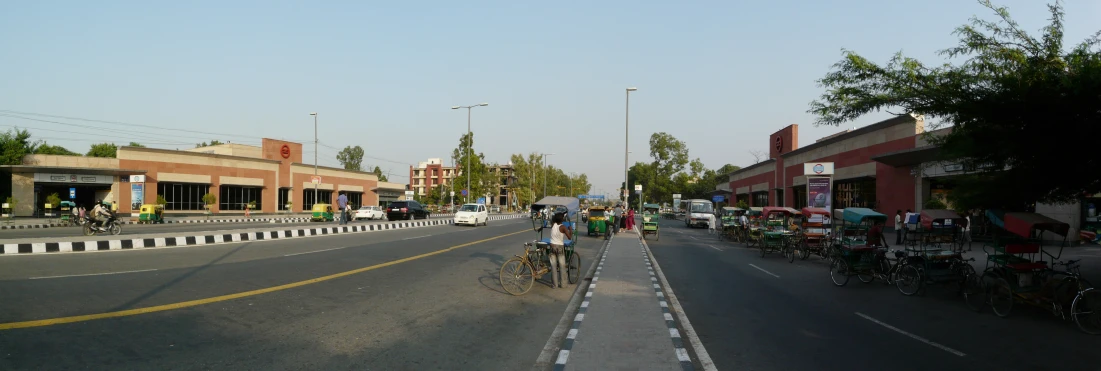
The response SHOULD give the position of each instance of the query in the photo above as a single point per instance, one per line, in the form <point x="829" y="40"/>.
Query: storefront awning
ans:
<point x="908" y="157"/>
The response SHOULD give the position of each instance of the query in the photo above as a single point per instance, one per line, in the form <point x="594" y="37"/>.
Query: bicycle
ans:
<point x="519" y="273"/>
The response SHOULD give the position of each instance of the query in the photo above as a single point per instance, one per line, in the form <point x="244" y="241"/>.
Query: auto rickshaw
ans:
<point x="322" y="213"/>
<point x="650" y="221"/>
<point x="597" y="222"/>
<point x="151" y="214"/>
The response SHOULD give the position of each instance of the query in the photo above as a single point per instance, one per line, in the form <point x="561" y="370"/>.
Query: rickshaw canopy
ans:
<point x="322" y="208"/>
<point x="755" y="211"/>
<point x="729" y="210"/>
<point x="1022" y="224"/>
<point x="809" y="211"/>
<point x="570" y="204"/>
<point x="769" y="210"/>
<point x="68" y="204"/>
<point x="654" y="207"/>
<point x="928" y="217"/>
<point x="857" y="215"/>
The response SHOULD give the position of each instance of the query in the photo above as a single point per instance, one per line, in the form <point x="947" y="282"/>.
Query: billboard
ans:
<point x="818" y="192"/>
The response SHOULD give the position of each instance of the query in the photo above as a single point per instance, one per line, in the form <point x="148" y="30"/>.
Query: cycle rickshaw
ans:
<point x="815" y="238"/>
<point x="730" y="225"/>
<point x="852" y="254"/>
<point x="755" y="231"/>
<point x="929" y="262"/>
<point x="778" y="236"/>
<point x="1015" y="273"/>
<point x="650" y="221"/>
<point x="519" y="273"/>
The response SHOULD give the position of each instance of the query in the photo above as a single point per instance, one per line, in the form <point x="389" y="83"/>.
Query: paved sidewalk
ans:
<point x="624" y="322"/>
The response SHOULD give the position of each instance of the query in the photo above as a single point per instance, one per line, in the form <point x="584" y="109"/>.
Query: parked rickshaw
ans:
<point x="852" y="254"/>
<point x="755" y="231"/>
<point x="519" y="273"/>
<point x="730" y="225"/>
<point x="934" y="260"/>
<point x="322" y="213"/>
<point x="150" y="213"/>
<point x="597" y="221"/>
<point x="67" y="208"/>
<point x="777" y="236"/>
<point x="814" y="233"/>
<point x="1016" y="273"/>
<point x="650" y="221"/>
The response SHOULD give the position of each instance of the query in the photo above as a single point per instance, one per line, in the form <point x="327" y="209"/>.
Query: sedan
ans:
<point x="369" y="212"/>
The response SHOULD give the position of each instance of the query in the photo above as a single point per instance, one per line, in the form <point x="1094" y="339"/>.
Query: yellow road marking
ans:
<point x="193" y="303"/>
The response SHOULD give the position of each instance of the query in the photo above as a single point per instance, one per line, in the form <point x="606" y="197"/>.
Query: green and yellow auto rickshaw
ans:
<point x="322" y="213"/>
<point x="597" y="221"/>
<point x="150" y="214"/>
<point x="650" y="220"/>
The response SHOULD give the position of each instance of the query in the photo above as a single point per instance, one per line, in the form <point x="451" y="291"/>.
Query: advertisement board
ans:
<point x="817" y="168"/>
<point x="818" y="193"/>
<point x="137" y="194"/>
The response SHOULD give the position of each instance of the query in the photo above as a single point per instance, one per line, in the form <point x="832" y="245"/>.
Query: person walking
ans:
<point x="342" y="204"/>
<point x="630" y="219"/>
<point x="557" y="254"/>
<point x="898" y="227"/>
<point x="609" y="222"/>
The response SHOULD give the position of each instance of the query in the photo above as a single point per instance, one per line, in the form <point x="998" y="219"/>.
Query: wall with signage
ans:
<point x="73" y="178"/>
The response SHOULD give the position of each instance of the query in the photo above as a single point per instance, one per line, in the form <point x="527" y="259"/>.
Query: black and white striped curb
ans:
<point x="190" y="221"/>
<point x="145" y="243"/>
<point x="674" y="334"/>
<point x="567" y="346"/>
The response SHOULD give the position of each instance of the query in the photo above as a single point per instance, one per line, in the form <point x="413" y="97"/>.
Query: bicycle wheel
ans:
<point x="1086" y="311"/>
<point x="804" y="250"/>
<point x="909" y="280"/>
<point x="764" y="249"/>
<point x="1001" y="297"/>
<point x="839" y="271"/>
<point x="573" y="267"/>
<point x="962" y="271"/>
<point x="517" y="276"/>
<point x="974" y="292"/>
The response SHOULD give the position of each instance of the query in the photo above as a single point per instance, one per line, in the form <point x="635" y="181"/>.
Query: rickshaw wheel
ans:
<point x="804" y="251"/>
<point x="1001" y="297"/>
<point x="790" y="252"/>
<point x="974" y="292"/>
<point x="764" y="250"/>
<point x="1086" y="311"/>
<point x="865" y="277"/>
<point x="573" y="268"/>
<point x="839" y="272"/>
<point x="517" y="276"/>
<point x="909" y="280"/>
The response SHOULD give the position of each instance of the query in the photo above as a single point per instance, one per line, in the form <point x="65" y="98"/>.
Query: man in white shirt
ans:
<point x="898" y="227"/>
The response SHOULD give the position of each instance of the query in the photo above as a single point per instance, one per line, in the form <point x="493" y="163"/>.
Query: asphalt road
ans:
<point x="134" y="229"/>
<point x="402" y="310"/>
<point x="776" y="315"/>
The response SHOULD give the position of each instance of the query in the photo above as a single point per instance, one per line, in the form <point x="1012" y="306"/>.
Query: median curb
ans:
<point x="212" y="239"/>
<point x="188" y="221"/>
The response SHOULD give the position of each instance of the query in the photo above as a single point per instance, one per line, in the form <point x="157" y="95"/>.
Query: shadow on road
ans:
<point x="178" y="279"/>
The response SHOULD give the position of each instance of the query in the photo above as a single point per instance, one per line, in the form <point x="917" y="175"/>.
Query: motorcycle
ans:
<point x="110" y="226"/>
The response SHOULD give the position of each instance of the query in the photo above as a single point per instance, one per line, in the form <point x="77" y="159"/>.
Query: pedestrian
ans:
<point x="898" y="227"/>
<point x="609" y="222"/>
<point x="342" y="204"/>
<point x="965" y="229"/>
<point x="557" y="254"/>
<point x="710" y="223"/>
<point x="875" y="235"/>
<point x="620" y="216"/>
<point x="631" y="219"/>
<point x="906" y="222"/>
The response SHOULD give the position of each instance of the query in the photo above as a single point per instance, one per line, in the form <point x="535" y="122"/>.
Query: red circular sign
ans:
<point x="779" y="144"/>
<point x="285" y="151"/>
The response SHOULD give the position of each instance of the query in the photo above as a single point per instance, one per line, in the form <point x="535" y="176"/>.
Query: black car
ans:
<point x="406" y="210"/>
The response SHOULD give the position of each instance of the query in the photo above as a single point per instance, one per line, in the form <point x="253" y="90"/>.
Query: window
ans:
<point x="469" y="208"/>
<point x="780" y="197"/>
<point x="355" y="199"/>
<point x="323" y="196"/>
<point x="799" y="196"/>
<point x="760" y="199"/>
<point x="284" y="196"/>
<point x="854" y="193"/>
<point x="702" y="207"/>
<point x="182" y="196"/>
<point x="238" y="197"/>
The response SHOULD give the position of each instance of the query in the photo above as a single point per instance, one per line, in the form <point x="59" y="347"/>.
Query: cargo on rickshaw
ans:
<point x="852" y="254"/>
<point x="519" y="273"/>
<point x="934" y="260"/>
<point x="322" y="213"/>
<point x="650" y="221"/>
<point x="730" y="223"/>
<point x="150" y="214"/>
<point x="597" y="221"/>
<point x="1017" y="273"/>
<point x="778" y="234"/>
<point x="67" y="209"/>
<point x="814" y="233"/>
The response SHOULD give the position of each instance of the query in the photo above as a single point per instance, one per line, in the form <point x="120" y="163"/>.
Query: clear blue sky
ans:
<point x="719" y="75"/>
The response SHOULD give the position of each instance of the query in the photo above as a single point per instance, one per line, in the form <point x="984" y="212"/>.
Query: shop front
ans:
<point x="388" y="192"/>
<point x="1091" y="218"/>
<point x="31" y="186"/>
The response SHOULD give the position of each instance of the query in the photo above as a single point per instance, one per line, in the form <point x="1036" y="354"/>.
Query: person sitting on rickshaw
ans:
<point x="875" y="235"/>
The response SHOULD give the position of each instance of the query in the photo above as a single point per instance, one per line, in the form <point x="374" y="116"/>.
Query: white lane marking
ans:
<point x="90" y="274"/>
<point x="716" y="248"/>
<point x="912" y="336"/>
<point x="413" y="238"/>
<point x="763" y="270"/>
<point x="311" y="252"/>
<point x="694" y="238"/>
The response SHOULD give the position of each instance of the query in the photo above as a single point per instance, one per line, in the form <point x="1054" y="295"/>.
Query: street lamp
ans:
<point x="469" y="192"/>
<point x="626" y="142"/>
<point x="545" y="172"/>
<point x="314" y="114"/>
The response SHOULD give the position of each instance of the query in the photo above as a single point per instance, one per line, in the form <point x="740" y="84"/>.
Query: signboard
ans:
<point x="315" y="179"/>
<point x="949" y="168"/>
<point x="72" y="193"/>
<point x="481" y="200"/>
<point x="818" y="168"/>
<point x="676" y="202"/>
<point x="464" y="192"/>
<point x="676" y="196"/>
<point x="409" y="195"/>
<point x="137" y="195"/>
<point x="452" y="193"/>
<point x="137" y="179"/>
<point x="818" y="192"/>
<point x="73" y="178"/>
<point x="638" y="187"/>
<point x="718" y="198"/>
<point x="596" y="197"/>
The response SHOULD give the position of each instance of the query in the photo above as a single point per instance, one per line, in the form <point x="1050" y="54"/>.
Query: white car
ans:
<point x="369" y="212"/>
<point x="472" y="214"/>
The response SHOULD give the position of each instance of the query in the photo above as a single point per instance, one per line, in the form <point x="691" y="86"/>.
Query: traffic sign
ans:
<point x="718" y="198"/>
<point x="464" y="192"/>
<point x="409" y="195"/>
<point x="315" y="179"/>
<point x="482" y="200"/>
<point x="452" y="193"/>
<point x="72" y="193"/>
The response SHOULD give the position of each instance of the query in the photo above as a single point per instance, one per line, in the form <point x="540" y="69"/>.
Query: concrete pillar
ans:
<point x="22" y="189"/>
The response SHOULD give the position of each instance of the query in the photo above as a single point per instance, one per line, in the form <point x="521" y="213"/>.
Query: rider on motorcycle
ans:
<point x="101" y="214"/>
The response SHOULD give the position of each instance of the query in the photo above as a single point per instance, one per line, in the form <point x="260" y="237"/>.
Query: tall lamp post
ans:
<point x="314" y="114"/>
<point x="469" y="192"/>
<point x="545" y="172"/>
<point x="626" y="141"/>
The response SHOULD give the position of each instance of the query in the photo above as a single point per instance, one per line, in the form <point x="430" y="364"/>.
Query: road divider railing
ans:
<point x="139" y="242"/>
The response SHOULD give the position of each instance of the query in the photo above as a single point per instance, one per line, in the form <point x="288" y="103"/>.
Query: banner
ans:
<point x="137" y="195"/>
<point x="818" y="193"/>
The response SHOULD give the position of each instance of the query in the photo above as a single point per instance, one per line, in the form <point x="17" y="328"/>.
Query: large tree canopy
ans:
<point x="351" y="158"/>
<point x="14" y="144"/>
<point x="1022" y="105"/>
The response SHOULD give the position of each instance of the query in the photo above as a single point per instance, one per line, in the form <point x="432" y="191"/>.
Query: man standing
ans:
<point x="619" y="217"/>
<point x="898" y="227"/>
<point x="342" y="203"/>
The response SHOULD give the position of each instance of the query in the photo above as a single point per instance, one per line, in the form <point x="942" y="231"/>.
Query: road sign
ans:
<point x="718" y="198"/>
<point x="464" y="192"/>
<point x="72" y="193"/>
<point x="409" y="195"/>
<point x="638" y="187"/>
<point x="452" y="193"/>
<point x="595" y="197"/>
<point x="315" y="179"/>
<point x="482" y="200"/>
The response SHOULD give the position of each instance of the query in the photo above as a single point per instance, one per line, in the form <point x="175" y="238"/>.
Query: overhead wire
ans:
<point x="119" y="131"/>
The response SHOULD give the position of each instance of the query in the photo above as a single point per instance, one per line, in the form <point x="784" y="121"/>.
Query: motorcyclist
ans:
<point x="101" y="214"/>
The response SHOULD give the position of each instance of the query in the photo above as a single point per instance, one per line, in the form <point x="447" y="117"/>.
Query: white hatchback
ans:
<point x="369" y="212"/>
<point x="472" y="214"/>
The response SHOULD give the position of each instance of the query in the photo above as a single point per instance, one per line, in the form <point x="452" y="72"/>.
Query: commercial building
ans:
<point x="427" y="176"/>
<point x="889" y="165"/>
<point x="270" y="178"/>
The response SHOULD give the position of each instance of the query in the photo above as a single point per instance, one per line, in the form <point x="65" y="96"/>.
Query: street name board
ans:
<point x="718" y="198"/>
<point x="595" y="197"/>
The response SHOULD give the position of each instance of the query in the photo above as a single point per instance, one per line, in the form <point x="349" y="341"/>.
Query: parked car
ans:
<point x="496" y="209"/>
<point x="406" y="210"/>
<point x="472" y="214"/>
<point x="369" y="212"/>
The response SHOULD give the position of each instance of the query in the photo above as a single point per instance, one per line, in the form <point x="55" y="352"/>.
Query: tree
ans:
<point x="380" y="175"/>
<point x="103" y="150"/>
<point x="161" y="200"/>
<point x="14" y="144"/>
<point x="54" y="199"/>
<point x="46" y="149"/>
<point x="209" y="200"/>
<point x="1014" y="106"/>
<point x="136" y="144"/>
<point x="477" y="171"/>
<point x="758" y="156"/>
<point x="351" y="158"/>
<point x="212" y="143"/>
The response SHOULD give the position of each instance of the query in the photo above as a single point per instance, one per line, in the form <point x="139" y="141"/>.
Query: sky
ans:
<point x="719" y="75"/>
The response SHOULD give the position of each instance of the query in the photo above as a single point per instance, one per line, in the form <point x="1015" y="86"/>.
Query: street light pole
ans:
<point x="314" y="114"/>
<point x="545" y="172"/>
<point x="469" y="144"/>
<point x="626" y="141"/>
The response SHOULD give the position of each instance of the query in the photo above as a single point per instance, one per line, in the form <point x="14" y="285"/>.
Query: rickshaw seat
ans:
<point x="1022" y="248"/>
<point x="565" y="242"/>
<point x="1028" y="266"/>
<point x="862" y="248"/>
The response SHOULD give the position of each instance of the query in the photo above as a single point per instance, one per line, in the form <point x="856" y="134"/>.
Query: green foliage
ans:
<point x="252" y="205"/>
<point x="1016" y="103"/>
<point x="205" y="144"/>
<point x="742" y="205"/>
<point x="12" y="202"/>
<point x="210" y="199"/>
<point x="478" y="172"/>
<point x="54" y="199"/>
<point x="135" y="144"/>
<point x="381" y="176"/>
<point x="14" y="144"/>
<point x="46" y="149"/>
<point x="103" y="150"/>
<point x="351" y="158"/>
<point x="935" y="204"/>
<point x="161" y="200"/>
<point x="530" y="174"/>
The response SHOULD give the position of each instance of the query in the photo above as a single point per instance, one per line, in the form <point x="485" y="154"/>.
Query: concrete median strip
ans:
<point x="194" y="221"/>
<point x="137" y="242"/>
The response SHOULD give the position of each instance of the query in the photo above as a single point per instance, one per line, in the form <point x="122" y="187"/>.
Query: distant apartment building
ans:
<point x="427" y="175"/>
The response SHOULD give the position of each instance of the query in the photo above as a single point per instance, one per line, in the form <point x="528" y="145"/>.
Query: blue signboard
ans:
<point x="72" y="193"/>
<point x="718" y="198"/>
<point x="482" y="200"/>
<point x="464" y="192"/>
<point x="597" y="197"/>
